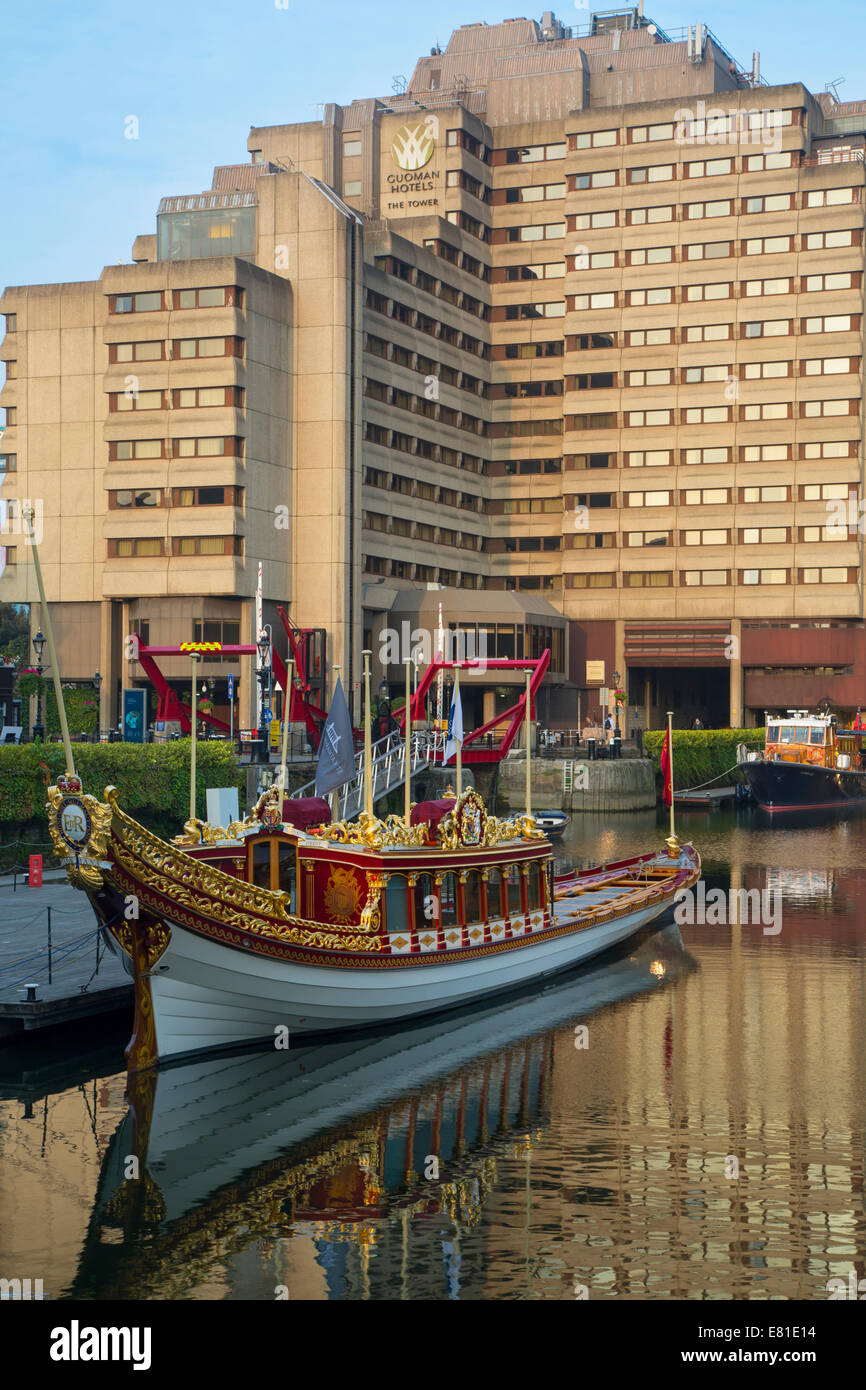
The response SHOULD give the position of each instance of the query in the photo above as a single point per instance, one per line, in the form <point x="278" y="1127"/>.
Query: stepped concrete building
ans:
<point x="548" y="332"/>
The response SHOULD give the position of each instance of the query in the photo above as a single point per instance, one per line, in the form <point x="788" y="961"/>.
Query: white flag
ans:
<point x="455" y="726"/>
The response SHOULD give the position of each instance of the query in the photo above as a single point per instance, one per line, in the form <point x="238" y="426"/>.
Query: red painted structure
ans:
<point x="514" y="716"/>
<point x="313" y="717"/>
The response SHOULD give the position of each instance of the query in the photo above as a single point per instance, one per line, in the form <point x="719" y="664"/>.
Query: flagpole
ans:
<point x="673" y="835"/>
<point x="528" y="737"/>
<point x="335" y="794"/>
<point x="194" y="660"/>
<point x="287" y="714"/>
<point x="368" y="757"/>
<point x="407" y="742"/>
<point x="459" y="741"/>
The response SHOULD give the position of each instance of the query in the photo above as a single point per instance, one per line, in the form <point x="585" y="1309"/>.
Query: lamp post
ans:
<point x="38" y="727"/>
<point x="264" y="678"/>
<point x="616" y="703"/>
<point x="97" y="682"/>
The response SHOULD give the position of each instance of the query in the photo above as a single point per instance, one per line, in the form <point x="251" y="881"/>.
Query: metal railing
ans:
<point x="387" y="770"/>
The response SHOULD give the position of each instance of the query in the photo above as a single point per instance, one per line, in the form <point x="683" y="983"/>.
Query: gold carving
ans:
<point x="371" y="917"/>
<point x="82" y="867"/>
<point x="342" y="895"/>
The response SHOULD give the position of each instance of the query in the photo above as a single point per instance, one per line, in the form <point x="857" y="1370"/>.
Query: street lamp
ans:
<point x="264" y="678"/>
<point x="616" y="703"/>
<point x="38" y="727"/>
<point x="97" y="682"/>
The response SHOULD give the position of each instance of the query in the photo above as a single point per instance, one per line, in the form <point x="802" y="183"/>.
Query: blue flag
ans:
<point x="336" y="763"/>
<point x="455" y="726"/>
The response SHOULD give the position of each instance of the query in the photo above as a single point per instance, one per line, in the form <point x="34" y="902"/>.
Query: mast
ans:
<point x="407" y="744"/>
<point x="527" y="723"/>
<point x="368" y="757"/>
<point x="193" y="656"/>
<point x="52" y="650"/>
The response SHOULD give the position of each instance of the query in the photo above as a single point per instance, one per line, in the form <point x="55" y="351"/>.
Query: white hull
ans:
<point x="206" y="995"/>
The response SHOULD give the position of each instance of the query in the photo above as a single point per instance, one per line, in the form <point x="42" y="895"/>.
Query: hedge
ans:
<point x="152" y="779"/>
<point x="701" y="754"/>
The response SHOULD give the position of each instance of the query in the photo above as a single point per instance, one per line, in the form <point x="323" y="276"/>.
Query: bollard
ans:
<point x="29" y="992"/>
<point x="590" y="749"/>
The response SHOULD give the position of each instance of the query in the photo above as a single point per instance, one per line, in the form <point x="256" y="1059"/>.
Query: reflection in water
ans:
<point x="486" y="1155"/>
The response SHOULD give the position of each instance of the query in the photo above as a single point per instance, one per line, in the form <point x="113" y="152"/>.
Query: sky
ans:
<point x="196" y="74"/>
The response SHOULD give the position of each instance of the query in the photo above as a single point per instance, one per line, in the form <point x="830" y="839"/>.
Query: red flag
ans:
<point x="665" y="762"/>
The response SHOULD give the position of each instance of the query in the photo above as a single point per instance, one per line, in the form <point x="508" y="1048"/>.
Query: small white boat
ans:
<point x="552" y="823"/>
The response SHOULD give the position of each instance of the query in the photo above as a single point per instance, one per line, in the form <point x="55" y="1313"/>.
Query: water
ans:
<point x="707" y="1143"/>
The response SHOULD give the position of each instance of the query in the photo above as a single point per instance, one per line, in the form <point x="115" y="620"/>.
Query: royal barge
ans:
<point x="806" y="765"/>
<point x="285" y="924"/>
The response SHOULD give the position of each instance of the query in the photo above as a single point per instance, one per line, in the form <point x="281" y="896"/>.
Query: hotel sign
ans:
<point x="595" y="672"/>
<point x="414" y="184"/>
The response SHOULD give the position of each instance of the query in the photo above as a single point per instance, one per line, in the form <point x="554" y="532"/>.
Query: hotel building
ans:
<point x="571" y="328"/>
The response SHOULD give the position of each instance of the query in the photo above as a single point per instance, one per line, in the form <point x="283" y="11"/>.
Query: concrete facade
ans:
<point x="555" y="320"/>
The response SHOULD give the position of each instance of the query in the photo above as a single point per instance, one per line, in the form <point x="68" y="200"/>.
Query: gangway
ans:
<point x="388" y="762"/>
<point x="487" y="744"/>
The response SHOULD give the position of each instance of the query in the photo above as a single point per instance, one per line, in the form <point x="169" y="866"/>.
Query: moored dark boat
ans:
<point x="806" y="765"/>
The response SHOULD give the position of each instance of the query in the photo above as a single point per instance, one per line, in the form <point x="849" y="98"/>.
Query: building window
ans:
<point x="649" y="337"/>
<point x="138" y="400"/>
<point x="838" y="280"/>
<point x="830" y="197"/>
<point x="594" y="139"/>
<point x="8" y="463"/>
<point x="122" y="449"/>
<point x="770" y="202"/>
<point x="647" y="579"/>
<point x="136" y="352"/>
<point x="767" y="328"/>
<point x="352" y="188"/>
<point x="205" y="447"/>
<point x="768" y="576"/>
<point x="11" y="323"/>
<point x="189" y="397"/>
<point x="207" y="347"/>
<point x="707" y="333"/>
<point x="142" y="546"/>
<point x="210" y="297"/>
<point x="145" y="303"/>
<point x="207" y="545"/>
<point x="590" y="581"/>
<point x="139" y="497"/>
<point x="829" y="323"/>
<point x="704" y="578"/>
<point x="352" y="148"/>
<point x="648" y="499"/>
<point x="639" y="217"/>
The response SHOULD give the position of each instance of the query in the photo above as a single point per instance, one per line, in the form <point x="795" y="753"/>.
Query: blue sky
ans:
<point x="198" y="73"/>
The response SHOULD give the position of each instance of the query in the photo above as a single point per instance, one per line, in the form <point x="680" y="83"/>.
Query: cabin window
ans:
<point x="397" y="903"/>
<point x="426" y="909"/>
<point x="786" y="734"/>
<point x="514" y="896"/>
<point x="448" y="899"/>
<point x="495" y="905"/>
<point x="274" y="867"/>
<point x="818" y="736"/>
<point x="262" y="864"/>
<point x="533" y="887"/>
<point x="472" y="897"/>
<point x="801" y="735"/>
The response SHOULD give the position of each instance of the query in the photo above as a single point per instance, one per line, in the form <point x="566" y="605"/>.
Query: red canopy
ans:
<point x="304" y="811"/>
<point x="431" y="812"/>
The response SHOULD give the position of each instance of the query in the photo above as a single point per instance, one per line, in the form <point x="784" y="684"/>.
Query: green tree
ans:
<point x="15" y="634"/>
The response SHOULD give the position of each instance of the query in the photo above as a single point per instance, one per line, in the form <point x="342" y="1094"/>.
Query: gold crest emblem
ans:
<point x="342" y="896"/>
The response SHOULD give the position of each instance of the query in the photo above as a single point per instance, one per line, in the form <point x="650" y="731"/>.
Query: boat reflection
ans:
<point x="333" y="1140"/>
